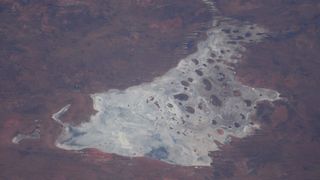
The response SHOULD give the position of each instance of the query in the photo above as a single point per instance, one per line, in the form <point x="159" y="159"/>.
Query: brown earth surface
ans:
<point x="288" y="146"/>
<point x="57" y="52"/>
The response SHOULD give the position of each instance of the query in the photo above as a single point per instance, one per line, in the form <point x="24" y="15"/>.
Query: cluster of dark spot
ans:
<point x="190" y="79"/>
<point x="190" y="109"/>
<point x="215" y="100"/>
<point x="199" y="72"/>
<point x="207" y="84"/>
<point x="181" y="97"/>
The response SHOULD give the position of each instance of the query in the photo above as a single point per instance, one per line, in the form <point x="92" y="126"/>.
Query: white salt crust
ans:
<point x="176" y="117"/>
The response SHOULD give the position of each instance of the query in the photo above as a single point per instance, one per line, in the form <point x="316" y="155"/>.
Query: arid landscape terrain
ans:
<point x="58" y="52"/>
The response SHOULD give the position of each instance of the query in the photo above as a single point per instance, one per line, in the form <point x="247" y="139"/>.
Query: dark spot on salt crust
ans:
<point x="184" y="83"/>
<point x="221" y="76"/>
<point x="210" y="61"/>
<point x="75" y="132"/>
<point x="157" y="104"/>
<point x="213" y="55"/>
<point x="260" y="34"/>
<point x="237" y="125"/>
<point x="237" y="93"/>
<point x="195" y="61"/>
<point x="248" y="34"/>
<point x="190" y="79"/>
<point x="159" y="153"/>
<point x="199" y="72"/>
<point x="239" y="38"/>
<point x="170" y="105"/>
<point x="248" y="102"/>
<point x="207" y="84"/>
<point x="227" y="31"/>
<point x="215" y="100"/>
<point x="236" y="31"/>
<point x="214" y="122"/>
<point x="181" y="97"/>
<point x="200" y="106"/>
<point x="190" y="109"/>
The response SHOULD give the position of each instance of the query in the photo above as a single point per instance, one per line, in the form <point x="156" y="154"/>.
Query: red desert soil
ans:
<point x="57" y="52"/>
<point x="288" y="146"/>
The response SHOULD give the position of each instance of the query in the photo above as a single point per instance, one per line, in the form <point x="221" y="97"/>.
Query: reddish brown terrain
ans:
<point x="57" y="52"/>
<point x="288" y="147"/>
